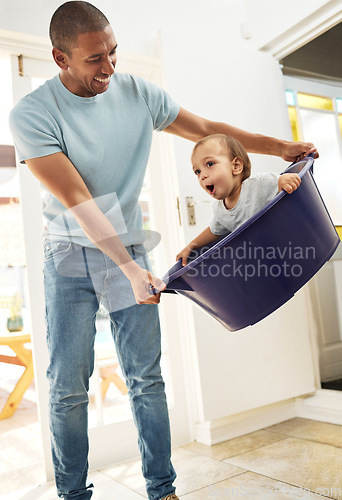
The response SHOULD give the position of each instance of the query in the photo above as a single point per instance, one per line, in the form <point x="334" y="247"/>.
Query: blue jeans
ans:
<point x="76" y="280"/>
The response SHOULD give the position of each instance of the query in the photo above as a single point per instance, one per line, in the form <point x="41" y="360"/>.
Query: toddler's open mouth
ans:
<point x="210" y="188"/>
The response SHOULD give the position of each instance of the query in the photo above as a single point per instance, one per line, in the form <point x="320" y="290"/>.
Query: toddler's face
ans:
<point x="215" y="171"/>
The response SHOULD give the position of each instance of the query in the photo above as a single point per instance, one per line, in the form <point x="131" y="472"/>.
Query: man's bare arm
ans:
<point x="57" y="173"/>
<point x="193" y="127"/>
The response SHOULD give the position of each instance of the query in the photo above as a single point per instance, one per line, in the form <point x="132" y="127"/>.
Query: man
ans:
<point x="86" y="136"/>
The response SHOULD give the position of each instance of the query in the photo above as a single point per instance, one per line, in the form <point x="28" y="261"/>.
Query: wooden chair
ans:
<point x="23" y="357"/>
<point x="107" y="364"/>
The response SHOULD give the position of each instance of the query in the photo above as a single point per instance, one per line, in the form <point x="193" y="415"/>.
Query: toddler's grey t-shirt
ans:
<point x="256" y="192"/>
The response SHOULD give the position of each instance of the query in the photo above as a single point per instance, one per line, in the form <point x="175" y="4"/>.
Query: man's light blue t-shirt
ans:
<point x="107" y="138"/>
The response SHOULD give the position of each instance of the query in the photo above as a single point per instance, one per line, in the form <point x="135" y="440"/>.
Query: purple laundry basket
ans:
<point x="252" y="271"/>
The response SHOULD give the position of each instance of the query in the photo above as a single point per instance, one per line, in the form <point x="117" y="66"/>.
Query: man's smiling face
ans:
<point x="87" y="71"/>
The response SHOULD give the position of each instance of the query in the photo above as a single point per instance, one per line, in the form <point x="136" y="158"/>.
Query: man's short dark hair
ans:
<point x="72" y="19"/>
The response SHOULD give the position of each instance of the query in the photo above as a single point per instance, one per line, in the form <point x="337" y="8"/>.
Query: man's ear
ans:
<point x="237" y="166"/>
<point x="60" y="58"/>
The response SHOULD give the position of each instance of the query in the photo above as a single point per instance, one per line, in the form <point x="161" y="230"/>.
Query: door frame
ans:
<point x="36" y="51"/>
<point x="325" y="404"/>
<point x="326" y="347"/>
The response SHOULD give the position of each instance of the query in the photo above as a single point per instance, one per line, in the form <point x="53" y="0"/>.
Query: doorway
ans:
<point x="313" y="89"/>
<point x="111" y="439"/>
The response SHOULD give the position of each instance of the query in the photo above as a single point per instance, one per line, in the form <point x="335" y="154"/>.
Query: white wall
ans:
<point x="270" y="19"/>
<point x="211" y="70"/>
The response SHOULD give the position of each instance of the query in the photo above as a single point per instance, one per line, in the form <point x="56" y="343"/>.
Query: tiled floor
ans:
<point x="295" y="459"/>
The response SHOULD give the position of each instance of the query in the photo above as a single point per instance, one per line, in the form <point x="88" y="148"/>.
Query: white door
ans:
<point x="315" y="110"/>
<point x="112" y="433"/>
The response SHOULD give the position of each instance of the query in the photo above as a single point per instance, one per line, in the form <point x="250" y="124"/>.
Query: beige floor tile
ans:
<point x="194" y="472"/>
<point x="105" y="489"/>
<point x="127" y="473"/>
<point x="321" y="432"/>
<point x="27" y="418"/>
<point x="298" y="462"/>
<point x="34" y="472"/>
<point x="43" y="492"/>
<point x="21" y="459"/>
<point x="4" y="465"/>
<point x="13" y="480"/>
<point x="19" y="444"/>
<point x="251" y="486"/>
<point x="235" y="446"/>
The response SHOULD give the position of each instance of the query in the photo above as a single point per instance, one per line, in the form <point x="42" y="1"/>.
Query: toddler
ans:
<point x="223" y="169"/>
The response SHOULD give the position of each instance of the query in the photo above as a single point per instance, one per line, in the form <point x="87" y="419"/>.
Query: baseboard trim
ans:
<point x="325" y="406"/>
<point x="216" y="431"/>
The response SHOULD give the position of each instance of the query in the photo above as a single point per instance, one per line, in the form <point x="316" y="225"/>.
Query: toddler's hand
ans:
<point x="184" y="254"/>
<point x="289" y="182"/>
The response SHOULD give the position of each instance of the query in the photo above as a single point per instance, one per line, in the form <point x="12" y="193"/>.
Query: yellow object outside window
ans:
<point x="314" y="101"/>
<point x="340" y="123"/>
<point x="294" y="123"/>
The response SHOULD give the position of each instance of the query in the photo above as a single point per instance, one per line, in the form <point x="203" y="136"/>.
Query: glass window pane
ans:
<point x="340" y="122"/>
<point x="294" y="123"/>
<point x="320" y="128"/>
<point x="314" y="101"/>
<point x="339" y="104"/>
<point x="290" y="97"/>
